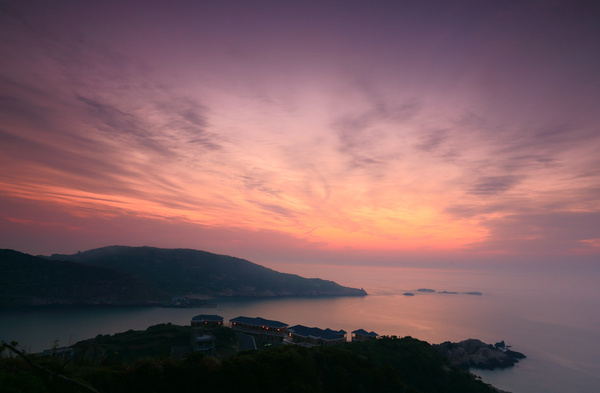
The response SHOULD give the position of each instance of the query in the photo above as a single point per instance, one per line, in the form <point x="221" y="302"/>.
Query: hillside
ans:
<point x="156" y="341"/>
<point x="389" y="364"/>
<point x="30" y="280"/>
<point x="185" y="272"/>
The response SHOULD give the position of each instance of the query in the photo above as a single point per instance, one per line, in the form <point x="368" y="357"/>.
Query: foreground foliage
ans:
<point x="389" y="364"/>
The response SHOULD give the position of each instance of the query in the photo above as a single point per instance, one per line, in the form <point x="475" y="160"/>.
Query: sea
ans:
<point x="551" y="314"/>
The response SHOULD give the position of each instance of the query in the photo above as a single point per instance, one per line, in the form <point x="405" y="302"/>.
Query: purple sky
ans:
<point x="383" y="132"/>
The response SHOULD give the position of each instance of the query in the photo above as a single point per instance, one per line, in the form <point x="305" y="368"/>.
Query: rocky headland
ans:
<point x="473" y="353"/>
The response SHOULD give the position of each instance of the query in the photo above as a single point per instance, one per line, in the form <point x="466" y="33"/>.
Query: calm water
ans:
<point x="551" y="316"/>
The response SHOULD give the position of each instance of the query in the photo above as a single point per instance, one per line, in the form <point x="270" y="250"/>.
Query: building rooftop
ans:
<point x="208" y="318"/>
<point x="326" y="334"/>
<point x="365" y="333"/>
<point x="258" y="322"/>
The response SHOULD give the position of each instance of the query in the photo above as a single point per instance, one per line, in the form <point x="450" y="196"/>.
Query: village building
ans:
<point x="207" y="320"/>
<point x="312" y="336"/>
<point x="199" y="340"/>
<point x="363" y="335"/>
<point x="272" y="331"/>
<point x="202" y="342"/>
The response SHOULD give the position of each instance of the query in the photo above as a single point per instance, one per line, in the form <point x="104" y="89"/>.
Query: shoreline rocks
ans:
<point x="473" y="353"/>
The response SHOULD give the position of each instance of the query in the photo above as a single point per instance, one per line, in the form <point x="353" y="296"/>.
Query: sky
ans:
<point x="342" y="132"/>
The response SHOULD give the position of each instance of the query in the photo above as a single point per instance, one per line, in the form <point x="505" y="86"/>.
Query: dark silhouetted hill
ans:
<point x="30" y="280"/>
<point x="184" y="272"/>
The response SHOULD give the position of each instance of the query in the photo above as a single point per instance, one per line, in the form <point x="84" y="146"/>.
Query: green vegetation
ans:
<point x="129" y="346"/>
<point x="389" y="364"/>
<point x="156" y="341"/>
<point x="418" y="364"/>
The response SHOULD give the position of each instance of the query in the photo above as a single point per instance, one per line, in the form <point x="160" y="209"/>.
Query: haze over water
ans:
<point x="550" y="316"/>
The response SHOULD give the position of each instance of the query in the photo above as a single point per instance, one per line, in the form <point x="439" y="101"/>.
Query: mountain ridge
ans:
<point x="164" y="273"/>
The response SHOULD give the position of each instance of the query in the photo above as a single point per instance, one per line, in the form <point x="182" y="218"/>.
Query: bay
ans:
<point x="549" y="314"/>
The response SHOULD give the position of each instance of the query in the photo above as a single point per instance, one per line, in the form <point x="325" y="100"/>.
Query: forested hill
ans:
<point x="30" y="280"/>
<point x="124" y="275"/>
<point x="182" y="272"/>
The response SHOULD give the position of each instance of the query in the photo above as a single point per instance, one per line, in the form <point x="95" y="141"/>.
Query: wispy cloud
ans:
<point x="557" y="235"/>
<point x="432" y="141"/>
<point x="492" y="185"/>
<point x="396" y="138"/>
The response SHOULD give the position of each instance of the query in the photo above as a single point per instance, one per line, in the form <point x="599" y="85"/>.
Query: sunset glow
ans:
<point x="468" y="128"/>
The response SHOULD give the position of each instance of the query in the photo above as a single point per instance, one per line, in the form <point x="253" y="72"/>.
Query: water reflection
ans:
<point x="550" y="319"/>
